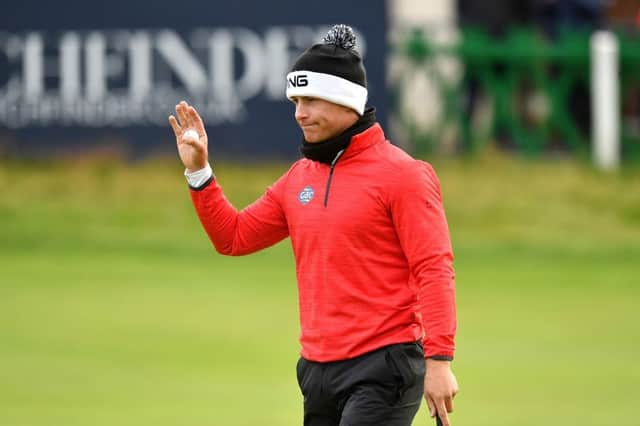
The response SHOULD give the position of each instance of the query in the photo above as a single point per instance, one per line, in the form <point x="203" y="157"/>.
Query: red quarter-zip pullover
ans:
<point x="372" y="248"/>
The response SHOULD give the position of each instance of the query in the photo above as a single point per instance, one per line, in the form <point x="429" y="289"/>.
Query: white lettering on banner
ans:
<point x="279" y="60"/>
<point x="140" y="58"/>
<point x="70" y="84"/>
<point x="33" y="66"/>
<point x="95" y="48"/>
<point x="123" y="78"/>
<point x="182" y="61"/>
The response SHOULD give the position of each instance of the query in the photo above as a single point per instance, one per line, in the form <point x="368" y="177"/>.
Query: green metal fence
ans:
<point x="523" y="91"/>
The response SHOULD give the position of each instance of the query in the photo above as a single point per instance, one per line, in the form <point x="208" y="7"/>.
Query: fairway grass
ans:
<point x="115" y="310"/>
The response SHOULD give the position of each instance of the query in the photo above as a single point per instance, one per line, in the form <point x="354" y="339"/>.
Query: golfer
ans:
<point x="371" y="243"/>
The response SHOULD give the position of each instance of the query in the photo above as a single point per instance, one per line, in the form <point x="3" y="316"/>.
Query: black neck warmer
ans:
<point x="326" y="151"/>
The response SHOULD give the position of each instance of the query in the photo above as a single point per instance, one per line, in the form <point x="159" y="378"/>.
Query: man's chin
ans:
<point x="311" y="138"/>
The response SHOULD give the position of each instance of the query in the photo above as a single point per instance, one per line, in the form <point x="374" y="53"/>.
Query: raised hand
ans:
<point x="193" y="153"/>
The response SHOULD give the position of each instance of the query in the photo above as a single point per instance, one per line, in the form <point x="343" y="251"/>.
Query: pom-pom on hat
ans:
<point x="331" y="70"/>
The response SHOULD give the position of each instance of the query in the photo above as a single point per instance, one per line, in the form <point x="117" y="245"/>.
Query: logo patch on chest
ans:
<point x="306" y="195"/>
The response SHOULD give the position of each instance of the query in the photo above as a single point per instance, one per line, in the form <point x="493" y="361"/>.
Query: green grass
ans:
<point x="114" y="309"/>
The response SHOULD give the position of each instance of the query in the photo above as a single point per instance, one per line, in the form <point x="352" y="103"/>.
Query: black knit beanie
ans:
<point x="331" y="70"/>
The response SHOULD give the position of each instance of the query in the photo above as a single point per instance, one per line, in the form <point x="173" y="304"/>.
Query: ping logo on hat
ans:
<point x="300" y="80"/>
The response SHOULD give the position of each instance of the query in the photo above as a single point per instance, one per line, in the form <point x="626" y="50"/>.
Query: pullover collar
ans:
<point x="325" y="152"/>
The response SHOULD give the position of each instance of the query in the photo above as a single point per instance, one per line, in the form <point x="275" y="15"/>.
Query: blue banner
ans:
<point x="84" y="74"/>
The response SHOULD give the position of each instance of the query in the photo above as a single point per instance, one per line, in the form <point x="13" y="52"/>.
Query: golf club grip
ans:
<point x="438" y="421"/>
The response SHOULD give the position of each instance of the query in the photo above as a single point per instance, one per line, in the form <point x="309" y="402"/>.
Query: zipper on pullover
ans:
<point x="331" y="167"/>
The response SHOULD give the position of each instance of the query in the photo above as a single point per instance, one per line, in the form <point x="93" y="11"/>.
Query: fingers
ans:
<point x="188" y="119"/>
<point x="196" y="122"/>
<point x="175" y="126"/>
<point x="442" y="412"/>
<point x="181" y="110"/>
<point x="448" y="403"/>
<point x="431" y="405"/>
<point x="440" y="406"/>
<point x="182" y="119"/>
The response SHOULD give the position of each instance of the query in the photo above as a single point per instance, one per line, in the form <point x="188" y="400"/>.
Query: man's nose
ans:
<point x="301" y="111"/>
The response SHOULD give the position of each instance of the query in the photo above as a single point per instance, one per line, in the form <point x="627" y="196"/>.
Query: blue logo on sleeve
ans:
<point x="306" y="195"/>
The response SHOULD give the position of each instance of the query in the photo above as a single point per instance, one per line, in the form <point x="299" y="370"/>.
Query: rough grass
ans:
<point x="115" y="310"/>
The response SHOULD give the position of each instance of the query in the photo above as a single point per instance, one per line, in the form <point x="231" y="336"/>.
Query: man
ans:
<point x="371" y="243"/>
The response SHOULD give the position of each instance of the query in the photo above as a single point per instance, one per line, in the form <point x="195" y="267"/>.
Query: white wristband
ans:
<point x="199" y="177"/>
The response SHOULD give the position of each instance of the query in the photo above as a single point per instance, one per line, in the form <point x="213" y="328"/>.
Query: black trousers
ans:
<point x="381" y="388"/>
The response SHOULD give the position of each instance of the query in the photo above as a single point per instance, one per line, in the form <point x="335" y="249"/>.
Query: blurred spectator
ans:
<point x="552" y="18"/>
<point x="555" y="15"/>
<point x="494" y="16"/>
<point x="623" y="13"/>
